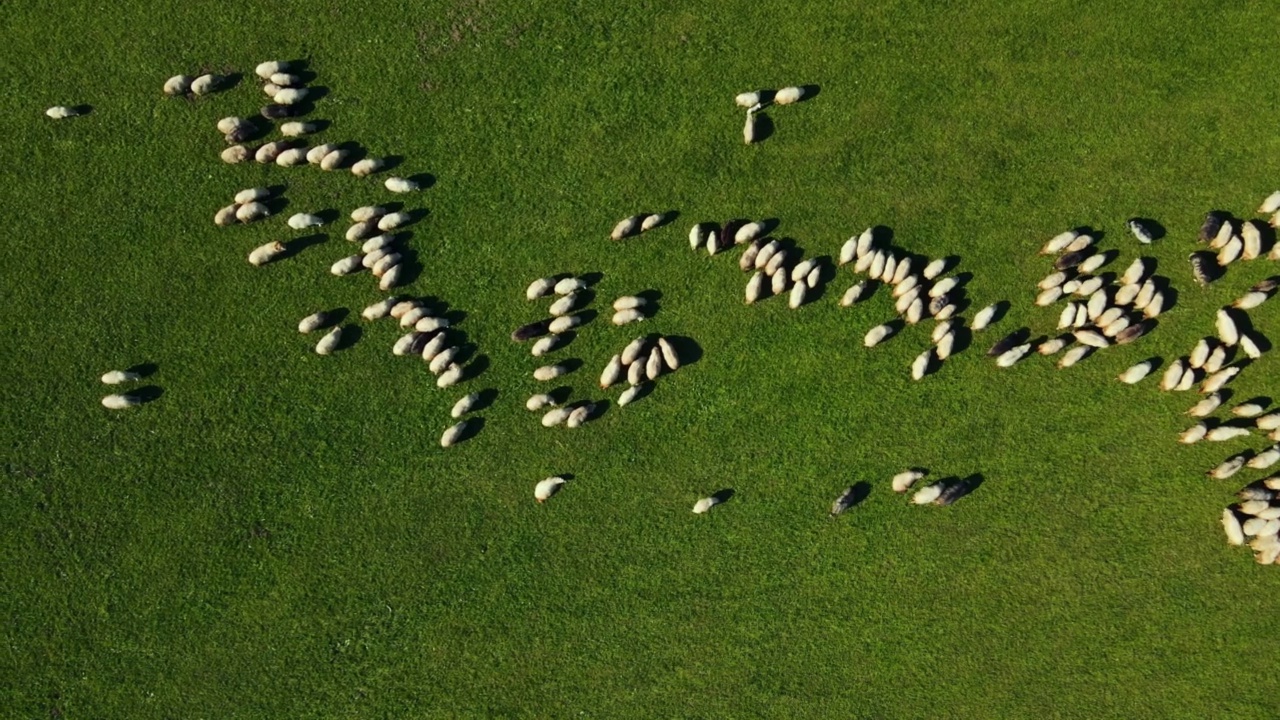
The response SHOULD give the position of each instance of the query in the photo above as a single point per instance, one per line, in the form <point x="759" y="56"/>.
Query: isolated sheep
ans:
<point x="546" y="345"/>
<point x="877" y="335"/>
<point x="920" y="365"/>
<point x="1137" y="372"/>
<point x="546" y="488"/>
<point x="706" y="503"/>
<point x="266" y="253"/>
<point x="549" y="372"/>
<point x="844" y="501"/>
<point x="788" y="95"/>
<point x="984" y="318"/>
<point x="400" y="185"/>
<point x="1075" y="355"/>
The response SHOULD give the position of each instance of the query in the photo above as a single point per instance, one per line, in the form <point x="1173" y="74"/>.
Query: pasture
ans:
<point x="280" y="534"/>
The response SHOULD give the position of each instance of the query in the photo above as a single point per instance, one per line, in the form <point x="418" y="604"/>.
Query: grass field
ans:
<point x="280" y="534"/>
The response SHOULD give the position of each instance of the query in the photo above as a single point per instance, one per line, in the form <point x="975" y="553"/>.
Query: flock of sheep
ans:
<point x="1099" y="309"/>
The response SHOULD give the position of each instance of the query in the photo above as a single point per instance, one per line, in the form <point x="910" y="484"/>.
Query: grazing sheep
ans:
<point x="747" y="99"/>
<point x="1052" y="280"/>
<point x="267" y="69"/>
<point x="1109" y="316"/>
<point x="748" y="258"/>
<point x="442" y="359"/>
<point x="1188" y="379"/>
<point x="845" y="501"/>
<point x="333" y="160"/>
<point x="848" y="252"/>
<point x="1205" y="407"/>
<point x="269" y="152"/>
<point x="290" y="96"/>
<point x="297" y="129"/>
<point x="778" y="282"/>
<point x="755" y="287"/>
<point x="1058" y="242"/>
<point x="629" y="302"/>
<point x="1172" y="375"/>
<point x="567" y="322"/>
<point x="1053" y="345"/>
<point x="367" y="166"/>
<point x="853" y="294"/>
<point x="1200" y="354"/>
<point x="626" y="227"/>
<point x="431" y="324"/>
<point x="749" y="134"/>
<point x="1193" y="434"/>
<point x="235" y="155"/>
<point x="877" y="335"/>
<point x="412" y="316"/>
<point x="580" y="415"/>
<point x="1228" y="333"/>
<point x="801" y="270"/>
<point x="1248" y="410"/>
<point x="1222" y="433"/>
<point x="921" y="364"/>
<point x="798" y="293"/>
<point x="301" y="221"/>
<point x="890" y="267"/>
<point x="631" y="394"/>
<point x="1048" y="297"/>
<point x="1115" y="327"/>
<point x="1075" y="355"/>
<point x="539" y="288"/>
<point x="347" y="265"/>
<point x="531" y="330"/>
<point x="293" y="157"/>
<point x="465" y="405"/>
<point x="1092" y="264"/>
<point x="1270" y="204"/>
<point x="1270" y="421"/>
<point x="564" y="305"/>
<point x="400" y="185"/>
<point x="545" y="345"/>
<point x="1230" y="252"/>
<point x="226" y="216"/>
<point x="570" y="284"/>
<point x="1013" y="355"/>
<point x="1091" y="338"/>
<point x="432" y="348"/>
<point x="1080" y="243"/>
<point x="277" y="112"/>
<point x="117" y="377"/>
<point x="612" y="373"/>
<point x="1251" y="235"/>
<point x="317" y="154"/>
<point x="906" y="285"/>
<point x="1229" y="467"/>
<point x="283" y="79"/>
<point x="205" y="84"/>
<point x="706" y="503"/>
<point x="1250" y="300"/>
<point x="788" y="95"/>
<point x="361" y="231"/>
<point x="1070" y="286"/>
<point x="1216" y="359"/>
<point x="698" y="236"/>
<point x="402" y="307"/>
<point x="178" y="85"/>
<point x="653" y="368"/>
<point x="313" y="322"/>
<point x="379" y="309"/>
<point x="1231" y="526"/>
<point x="1265" y="459"/>
<point x="984" y="318"/>
<point x="252" y="212"/>
<point x="1140" y="231"/>
<point x="549" y="372"/>
<point x="251" y="194"/>
<point x="329" y="342"/>
<point x="901" y="304"/>
<point x="634" y="350"/>
<point x="121" y="402"/>
<point x="1201" y="269"/>
<point x="1250" y="492"/>
<point x="1250" y="346"/>
<point x="453" y="434"/>
<point x="1004" y="344"/>
<point x="451" y="376"/>
<point x="539" y="401"/>
<point x="543" y="491"/>
<point x="636" y="373"/>
<point x="266" y="253"/>
<point x="270" y="89"/>
<point x="903" y="481"/>
<point x="765" y="255"/>
<point x="928" y="494"/>
<point x="1136" y="372"/>
<point x="1088" y="287"/>
<point x="390" y="277"/>
<point x="915" y="312"/>
<point x="556" y="416"/>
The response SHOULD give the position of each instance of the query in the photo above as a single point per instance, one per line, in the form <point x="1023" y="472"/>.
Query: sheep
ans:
<point x="431" y="324"/>
<point x="391" y="278"/>
<point x="1189" y="378"/>
<point x="920" y="365"/>
<point x="301" y="221"/>
<point x="747" y="260"/>
<point x="226" y="216"/>
<point x="798" y="293"/>
<point x="205" y="84"/>
<point x="1205" y="407"/>
<point x="567" y="322"/>
<point x="1270" y="421"/>
<point x="698" y="235"/>
<point x="777" y="261"/>
<point x="1013" y="355"/>
<point x="634" y="350"/>
<point x="121" y="401"/>
<point x="549" y="372"/>
<point x="1075" y="355"/>
<point x="539" y="288"/>
<point x="1252" y="492"/>
<point x="715" y="243"/>
<point x="1265" y="459"/>
<point x="252" y="212"/>
<point x="1216" y="359"/>
<point x="901" y="304"/>
<point x="433" y="347"/>
<point x="1115" y="327"/>
<point x="1052" y="280"/>
<point x="555" y="416"/>
<point x="465" y="405"/>
<point x="402" y="307"/>
<point x="267" y="69"/>
<point x="747" y="99"/>
<point x="915" y="312"/>
<point x="1250" y="346"/>
<point x="1218" y="380"/>
<point x="269" y="152"/>
<point x="1092" y="338"/>
<point x="361" y="231"/>
<point x="539" y="402"/>
<point x="1270" y="204"/>
<point x="1140" y="231"/>
<point x="1248" y="410"/>
<point x="298" y="129"/>
<point x="1004" y="344"/>
<point x="270" y="89"/>
<point x="1069" y="287"/>
<point x="442" y="359"/>
<point x="178" y="85"/>
<point x="333" y="160"/>
<point x="347" y="265"/>
<point x="1193" y="434"/>
<point x="1071" y="259"/>
<point x="1092" y="264"/>
<point x="1088" y="287"/>
<point x="412" y="315"/>
<point x="1201" y="270"/>
<point x="451" y="376"/>
<point x="632" y="394"/>
<point x="379" y="309"/>
<point x="405" y="344"/>
<point x="293" y="157"/>
<point x="1231" y="526"/>
<point x="1109" y="316"/>
<point x="636" y="373"/>
<point x="629" y="302"/>
<point x="877" y="335"/>
<point x="570" y="284"/>
<point x="564" y="305"/>
<point x="625" y="228"/>
<point x="984" y="318"/>
<point x="749" y="134"/>
<point x="612" y="373"/>
<point x="329" y="342"/>
<point x="778" y="282"/>
<point x="1136" y="373"/>
<point x="878" y="260"/>
<point x="1155" y="307"/>
<point x="367" y="167"/>
<point x="264" y="254"/>
<point x="944" y="345"/>
<point x="1048" y="297"/>
<point x="1058" y="242"/>
<point x="453" y="434"/>
<point x="251" y="194"/>
<point x="1053" y="345"/>
<point x="543" y="491"/>
<point x="755" y="287"/>
<point x="234" y="155"/>
<point x="928" y="494"/>
<point x="788" y="95"/>
<point x="906" y="285"/>
<point x="1228" y="467"/>
<point x="579" y="415"/>
<point x="1223" y="433"/>
<point x="853" y="294"/>
<point x="290" y="95"/>
<point x="118" y="377"/>
<point x="903" y="481"/>
<point x="1172" y="375"/>
<point x="400" y="185"/>
<point x="765" y="256"/>
<point x="546" y="345"/>
<point x="277" y="112"/>
<point x="318" y="153"/>
<point x="1080" y="243"/>
<point x="1230" y="252"/>
<point x="314" y="322"/>
<point x="653" y="368"/>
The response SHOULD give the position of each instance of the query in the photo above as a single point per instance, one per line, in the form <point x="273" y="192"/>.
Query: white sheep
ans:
<point x="568" y="322"/>
<point x="178" y="85"/>
<point x="400" y="185"/>
<point x="252" y="212"/>
<point x="368" y="166"/>
<point x="313" y="322"/>
<point x="121" y="402"/>
<point x="539" y="402"/>
<point x="549" y="372"/>
<point x="301" y="221"/>
<point x="318" y="153"/>
<point x="264" y="254"/>
<point x="555" y="416"/>
<point x="453" y="434"/>
<point x="347" y="265"/>
<point x="118" y="377"/>
<point x="877" y="335"/>
<point x="333" y="160"/>
<point x="540" y="288"/>
<point x="329" y="342"/>
<point x="788" y="95"/>
<point x="234" y="155"/>
<point x="612" y="373"/>
<point x="297" y="129"/>
<point x="625" y="227"/>
<point x="205" y="84"/>
<point x="543" y="491"/>
<point x="379" y="309"/>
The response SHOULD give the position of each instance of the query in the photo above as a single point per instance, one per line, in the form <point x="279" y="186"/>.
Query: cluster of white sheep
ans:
<point x="380" y="250"/>
<point x="636" y="224"/>
<point x="1255" y="520"/>
<point x="918" y="293"/>
<point x="247" y="207"/>
<point x="757" y="100"/>
<point x="777" y="268"/>
<point x="1230" y="239"/>
<point x="1207" y="363"/>
<point x="182" y="85"/>
<point x="572" y="296"/>
<point x="120" y="401"/>
<point x="641" y="362"/>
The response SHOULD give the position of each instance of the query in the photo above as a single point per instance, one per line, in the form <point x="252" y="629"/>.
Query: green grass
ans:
<point x="280" y="535"/>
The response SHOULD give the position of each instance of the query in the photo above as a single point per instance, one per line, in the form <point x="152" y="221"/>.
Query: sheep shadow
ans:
<point x="351" y="335"/>
<point x="561" y="394"/>
<point x="276" y="204"/>
<point x="590" y="278"/>
<point x="297" y="245"/>
<point x="425" y="181"/>
<point x="764" y="127"/>
<point x="1012" y="340"/>
<point x="486" y="399"/>
<point x="475" y="369"/>
<point x="471" y="429"/>
<point x="328" y="216"/>
<point x="570" y="365"/>
<point x="853" y="495"/>
<point x="147" y="393"/>
<point x="687" y="349"/>
<point x="144" y="370"/>
<point x="809" y="92"/>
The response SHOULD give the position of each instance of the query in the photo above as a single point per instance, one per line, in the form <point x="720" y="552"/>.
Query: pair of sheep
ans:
<point x="182" y="85"/>
<point x="248" y="206"/>
<point x="121" y="401"/>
